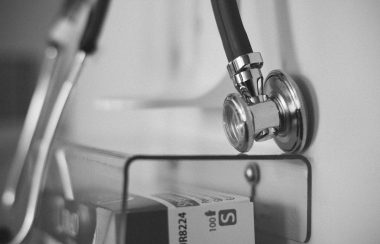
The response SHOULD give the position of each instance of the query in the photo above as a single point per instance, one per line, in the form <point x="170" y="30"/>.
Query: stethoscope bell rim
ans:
<point x="294" y="132"/>
<point x="238" y="122"/>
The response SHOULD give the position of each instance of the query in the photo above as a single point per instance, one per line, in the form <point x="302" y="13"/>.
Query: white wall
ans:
<point x="334" y="45"/>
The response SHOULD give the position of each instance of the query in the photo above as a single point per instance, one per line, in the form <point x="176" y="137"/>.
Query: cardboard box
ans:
<point x="189" y="217"/>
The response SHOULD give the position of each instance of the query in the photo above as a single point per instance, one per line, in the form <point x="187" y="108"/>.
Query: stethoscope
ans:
<point x="261" y="110"/>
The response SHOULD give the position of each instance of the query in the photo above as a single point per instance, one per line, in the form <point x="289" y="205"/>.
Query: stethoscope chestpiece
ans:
<point x="282" y="116"/>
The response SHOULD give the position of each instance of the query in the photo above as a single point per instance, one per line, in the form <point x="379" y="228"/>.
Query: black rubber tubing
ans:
<point x="231" y="29"/>
<point x="94" y="25"/>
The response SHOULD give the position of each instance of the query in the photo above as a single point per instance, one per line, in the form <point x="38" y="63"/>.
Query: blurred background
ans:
<point x="24" y="27"/>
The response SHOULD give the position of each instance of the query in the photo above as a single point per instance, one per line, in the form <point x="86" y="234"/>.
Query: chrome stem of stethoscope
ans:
<point x="245" y="72"/>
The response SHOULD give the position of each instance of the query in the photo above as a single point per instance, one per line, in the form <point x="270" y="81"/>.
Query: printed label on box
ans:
<point x="208" y="217"/>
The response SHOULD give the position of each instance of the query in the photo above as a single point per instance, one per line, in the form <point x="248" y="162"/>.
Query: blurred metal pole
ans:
<point x="62" y="65"/>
